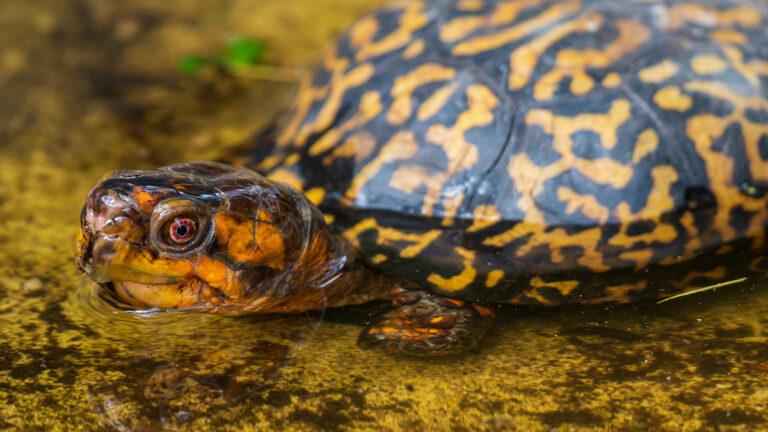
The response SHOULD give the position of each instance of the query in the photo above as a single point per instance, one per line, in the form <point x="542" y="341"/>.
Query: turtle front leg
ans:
<point x="425" y="324"/>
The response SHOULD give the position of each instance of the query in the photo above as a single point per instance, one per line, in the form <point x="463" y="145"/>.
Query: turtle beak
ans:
<point x="114" y="251"/>
<point x="106" y="219"/>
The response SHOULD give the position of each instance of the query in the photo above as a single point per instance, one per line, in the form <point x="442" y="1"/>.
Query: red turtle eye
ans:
<point x="182" y="230"/>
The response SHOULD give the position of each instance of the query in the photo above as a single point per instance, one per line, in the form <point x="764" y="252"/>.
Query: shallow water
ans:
<point x="90" y="85"/>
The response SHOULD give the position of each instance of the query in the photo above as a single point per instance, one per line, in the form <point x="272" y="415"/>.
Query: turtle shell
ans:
<point x="533" y="151"/>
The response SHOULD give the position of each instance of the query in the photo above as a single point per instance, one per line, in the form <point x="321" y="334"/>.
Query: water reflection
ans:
<point x="161" y="369"/>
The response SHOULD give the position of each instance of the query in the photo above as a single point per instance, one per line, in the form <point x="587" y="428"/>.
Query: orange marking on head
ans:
<point x="271" y="245"/>
<point x="263" y="215"/>
<point x="250" y="242"/>
<point x="237" y="235"/>
<point x="217" y="275"/>
<point x="145" y="201"/>
<point x="127" y="258"/>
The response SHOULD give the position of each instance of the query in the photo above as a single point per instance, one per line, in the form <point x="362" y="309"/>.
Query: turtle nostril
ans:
<point x="101" y="207"/>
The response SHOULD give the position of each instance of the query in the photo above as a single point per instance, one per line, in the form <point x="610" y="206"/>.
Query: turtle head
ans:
<point x="200" y="235"/>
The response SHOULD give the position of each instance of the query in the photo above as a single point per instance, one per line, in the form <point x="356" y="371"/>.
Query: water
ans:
<point x="89" y="86"/>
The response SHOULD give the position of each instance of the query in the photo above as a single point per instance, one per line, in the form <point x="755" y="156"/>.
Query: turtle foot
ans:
<point x="425" y="324"/>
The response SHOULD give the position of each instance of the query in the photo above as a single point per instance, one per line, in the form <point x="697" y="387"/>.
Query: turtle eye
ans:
<point x="182" y="230"/>
<point x="179" y="226"/>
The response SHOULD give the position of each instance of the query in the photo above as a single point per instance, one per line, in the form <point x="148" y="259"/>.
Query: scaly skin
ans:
<point x="253" y="246"/>
<point x="258" y="246"/>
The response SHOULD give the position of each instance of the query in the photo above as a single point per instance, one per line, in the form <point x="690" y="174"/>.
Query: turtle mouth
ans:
<point x="129" y="295"/>
<point x="108" y="293"/>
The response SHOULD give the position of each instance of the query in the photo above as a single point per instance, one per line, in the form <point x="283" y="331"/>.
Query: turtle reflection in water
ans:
<point x="450" y="154"/>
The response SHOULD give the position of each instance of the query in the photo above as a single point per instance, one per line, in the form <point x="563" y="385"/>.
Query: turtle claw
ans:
<point x="424" y="324"/>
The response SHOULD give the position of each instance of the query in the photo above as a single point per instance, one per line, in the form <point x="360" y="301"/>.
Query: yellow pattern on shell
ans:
<point x="388" y="236"/>
<point x="659" y="72"/>
<point x="493" y="278"/>
<point x="459" y="281"/>
<point x="671" y="98"/>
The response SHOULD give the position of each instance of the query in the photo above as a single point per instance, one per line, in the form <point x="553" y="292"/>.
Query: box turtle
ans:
<point x="454" y="155"/>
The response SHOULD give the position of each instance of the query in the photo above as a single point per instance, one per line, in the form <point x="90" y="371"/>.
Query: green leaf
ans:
<point x="191" y="64"/>
<point x="243" y="52"/>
